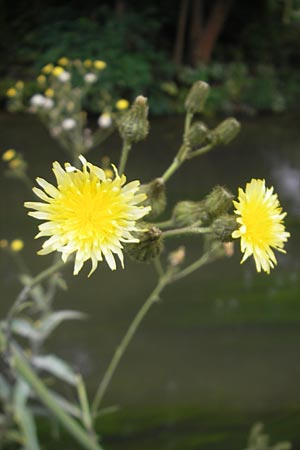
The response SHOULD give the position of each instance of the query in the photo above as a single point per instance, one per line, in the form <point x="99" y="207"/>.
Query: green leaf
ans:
<point x="24" y="417"/>
<point x="55" y="366"/>
<point x="26" y="329"/>
<point x="53" y="320"/>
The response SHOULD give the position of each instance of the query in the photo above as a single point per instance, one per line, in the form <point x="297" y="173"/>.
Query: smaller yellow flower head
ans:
<point x="41" y="79"/>
<point x="122" y="104"/>
<point x="49" y="93"/>
<point x="63" y="61"/>
<point x="9" y="154"/>
<point x="17" y="245"/>
<point x="20" y="85"/>
<point x="88" y="63"/>
<point x="261" y="227"/>
<point x="57" y="71"/>
<point x="100" y="65"/>
<point x="11" y="92"/>
<point x="47" y="69"/>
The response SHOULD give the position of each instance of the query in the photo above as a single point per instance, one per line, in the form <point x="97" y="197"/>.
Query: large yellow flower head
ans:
<point x="261" y="224"/>
<point x="87" y="214"/>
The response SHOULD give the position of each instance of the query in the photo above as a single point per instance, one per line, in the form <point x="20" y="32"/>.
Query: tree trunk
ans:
<point x="204" y="48"/>
<point x="180" y="36"/>
<point x="196" y="29"/>
<point x="120" y="6"/>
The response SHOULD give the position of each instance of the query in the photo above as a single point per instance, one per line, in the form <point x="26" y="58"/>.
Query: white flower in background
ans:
<point x="105" y="120"/>
<point x="90" y="78"/>
<point x="68" y="124"/>
<point x="64" y="76"/>
<point x="37" y="100"/>
<point x="48" y="103"/>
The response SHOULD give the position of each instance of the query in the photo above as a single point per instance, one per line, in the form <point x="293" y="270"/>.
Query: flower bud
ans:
<point x="197" y="96"/>
<point x="198" y="134"/>
<point x="224" y="226"/>
<point x="156" y="197"/>
<point x="149" y="246"/>
<point x="188" y="213"/>
<point x="218" y="201"/>
<point x="226" y="131"/>
<point x="133" y="125"/>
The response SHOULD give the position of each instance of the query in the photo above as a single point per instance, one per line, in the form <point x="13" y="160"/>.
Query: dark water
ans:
<point x="221" y="349"/>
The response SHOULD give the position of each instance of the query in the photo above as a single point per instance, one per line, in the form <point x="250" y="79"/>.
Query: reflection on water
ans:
<point x="221" y="349"/>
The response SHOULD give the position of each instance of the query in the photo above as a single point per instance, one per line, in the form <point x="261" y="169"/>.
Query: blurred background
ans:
<point x="221" y="349"/>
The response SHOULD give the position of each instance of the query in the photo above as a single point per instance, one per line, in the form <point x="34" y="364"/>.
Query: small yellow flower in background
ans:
<point x="88" y="63"/>
<point x="47" y="69"/>
<point x="11" y="92"/>
<point x="9" y="154"/>
<point x="63" y="61"/>
<point x="49" y="93"/>
<point x="87" y="214"/>
<point x="3" y="243"/>
<point x="100" y="65"/>
<point x="41" y="79"/>
<point x="57" y="71"/>
<point x="109" y="173"/>
<point x="122" y="104"/>
<point x="17" y="245"/>
<point x="19" y="85"/>
<point x="16" y="163"/>
<point x="261" y="224"/>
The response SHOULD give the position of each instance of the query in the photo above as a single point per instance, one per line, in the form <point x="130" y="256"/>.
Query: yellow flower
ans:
<point x="57" y="71"/>
<point x="122" y="104"/>
<point x="49" y="93"/>
<point x="261" y="224"/>
<point x="17" y="245"/>
<point x="87" y="214"/>
<point x="41" y="79"/>
<point x="63" y="61"/>
<point x="48" y="68"/>
<point x="8" y="155"/>
<point x="88" y="63"/>
<point x="19" y="85"/>
<point x="11" y="92"/>
<point x="100" y="65"/>
<point x="16" y="164"/>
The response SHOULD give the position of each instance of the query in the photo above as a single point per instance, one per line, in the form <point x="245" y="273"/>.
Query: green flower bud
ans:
<point x="197" y="96"/>
<point x="218" y="201"/>
<point x="156" y="197"/>
<point x="150" y="245"/>
<point x="226" y="131"/>
<point x="188" y="213"/>
<point x="133" y="125"/>
<point x="198" y="134"/>
<point x="224" y="226"/>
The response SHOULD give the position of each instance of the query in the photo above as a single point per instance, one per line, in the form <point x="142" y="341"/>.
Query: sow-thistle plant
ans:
<point x="92" y="214"/>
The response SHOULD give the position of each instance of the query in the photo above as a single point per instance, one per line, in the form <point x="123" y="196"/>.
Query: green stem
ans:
<point x="186" y="231"/>
<point x="187" y="123"/>
<point x="124" y="155"/>
<point x="165" y="224"/>
<point x="200" y="151"/>
<point x="154" y="296"/>
<point x="208" y="257"/>
<point x="171" y="169"/>
<point x="24" y="370"/>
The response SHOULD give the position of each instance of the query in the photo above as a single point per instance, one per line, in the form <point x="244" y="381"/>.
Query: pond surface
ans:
<point x="221" y="349"/>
